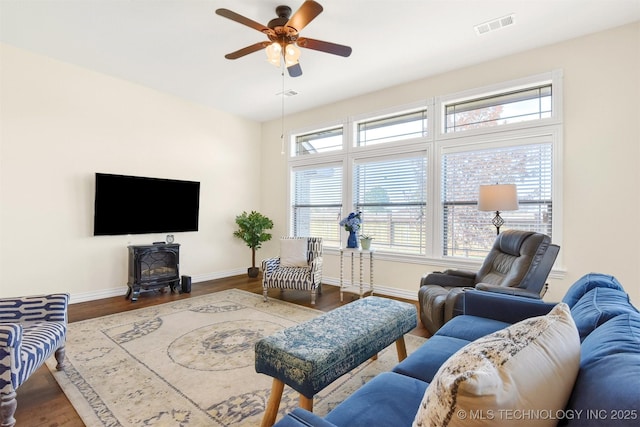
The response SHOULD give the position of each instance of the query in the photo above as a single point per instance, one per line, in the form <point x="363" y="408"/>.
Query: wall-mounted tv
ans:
<point x="140" y="205"/>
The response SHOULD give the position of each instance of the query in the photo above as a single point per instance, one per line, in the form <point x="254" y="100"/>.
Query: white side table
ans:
<point x="362" y="254"/>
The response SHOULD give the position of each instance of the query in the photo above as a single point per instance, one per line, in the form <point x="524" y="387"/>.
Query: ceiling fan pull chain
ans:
<point x="282" y="117"/>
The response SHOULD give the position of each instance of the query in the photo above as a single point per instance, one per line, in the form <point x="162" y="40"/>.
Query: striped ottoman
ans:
<point x="310" y="356"/>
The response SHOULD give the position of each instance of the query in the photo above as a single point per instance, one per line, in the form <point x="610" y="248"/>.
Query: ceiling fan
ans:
<point x="284" y="36"/>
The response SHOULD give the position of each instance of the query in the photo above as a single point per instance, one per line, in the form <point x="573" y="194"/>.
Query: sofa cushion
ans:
<point x="470" y="328"/>
<point x="302" y="418"/>
<point x="425" y="361"/>
<point x="531" y="364"/>
<point x="588" y="282"/>
<point x="389" y="399"/>
<point x="293" y="253"/>
<point x="597" y="306"/>
<point x="606" y="389"/>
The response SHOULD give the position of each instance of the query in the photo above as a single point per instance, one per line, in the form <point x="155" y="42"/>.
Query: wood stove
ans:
<point x="153" y="267"/>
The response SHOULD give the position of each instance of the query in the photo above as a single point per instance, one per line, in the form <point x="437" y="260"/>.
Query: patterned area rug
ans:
<point x="189" y="363"/>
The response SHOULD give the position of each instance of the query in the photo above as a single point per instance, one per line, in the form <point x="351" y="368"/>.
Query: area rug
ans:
<point x="189" y="363"/>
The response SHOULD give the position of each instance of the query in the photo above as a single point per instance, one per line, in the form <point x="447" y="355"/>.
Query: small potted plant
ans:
<point x="251" y="229"/>
<point x="365" y="241"/>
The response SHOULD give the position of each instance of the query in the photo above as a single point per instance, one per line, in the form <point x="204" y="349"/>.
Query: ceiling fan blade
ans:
<point x="305" y="14"/>
<point x="247" y="50"/>
<point x="294" y="70"/>
<point x="333" y="48"/>
<point x="242" y="20"/>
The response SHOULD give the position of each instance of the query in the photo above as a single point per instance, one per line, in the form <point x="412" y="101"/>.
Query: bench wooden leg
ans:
<point x="402" y="349"/>
<point x="271" y="412"/>
<point x="306" y="403"/>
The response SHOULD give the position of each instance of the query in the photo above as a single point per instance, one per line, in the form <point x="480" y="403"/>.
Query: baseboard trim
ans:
<point x="378" y="289"/>
<point x="332" y="281"/>
<point x="94" y="295"/>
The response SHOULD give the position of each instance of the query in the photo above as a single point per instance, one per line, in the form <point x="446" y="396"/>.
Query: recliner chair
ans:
<point x="518" y="264"/>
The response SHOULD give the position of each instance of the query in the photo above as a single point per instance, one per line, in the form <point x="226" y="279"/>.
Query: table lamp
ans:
<point x="496" y="198"/>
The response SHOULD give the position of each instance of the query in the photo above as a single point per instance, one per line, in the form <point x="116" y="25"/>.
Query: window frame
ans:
<point x="554" y="78"/>
<point x="513" y="138"/>
<point x="435" y="144"/>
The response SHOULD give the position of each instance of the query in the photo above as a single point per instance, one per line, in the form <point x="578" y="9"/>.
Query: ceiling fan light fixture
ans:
<point x="291" y="54"/>
<point x="283" y="33"/>
<point x="274" y="50"/>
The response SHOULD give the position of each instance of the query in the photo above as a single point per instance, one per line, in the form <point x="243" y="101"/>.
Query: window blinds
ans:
<point x="468" y="232"/>
<point x="391" y="194"/>
<point x="317" y="202"/>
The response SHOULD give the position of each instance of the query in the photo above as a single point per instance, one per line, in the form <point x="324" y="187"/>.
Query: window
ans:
<point x="532" y="103"/>
<point x="317" y="202"/>
<point x="418" y="189"/>
<point x="396" y="128"/>
<point x="468" y="232"/>
<point x="391" y="194"/>
<point x="319" y="142"/>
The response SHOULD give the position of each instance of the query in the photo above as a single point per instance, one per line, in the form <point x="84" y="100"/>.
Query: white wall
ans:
<point x="601" y="159"/>
<point x="59" y="125"/>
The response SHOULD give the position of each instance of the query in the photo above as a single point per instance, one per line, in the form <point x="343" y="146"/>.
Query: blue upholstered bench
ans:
<point x="310" y="356"/>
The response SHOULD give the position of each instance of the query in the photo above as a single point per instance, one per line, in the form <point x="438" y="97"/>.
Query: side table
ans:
<point x="362" y="254"/>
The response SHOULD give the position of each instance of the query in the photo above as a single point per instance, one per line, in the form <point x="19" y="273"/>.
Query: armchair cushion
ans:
<point x="506" y="371"/>
<point x="293" y="253"/>
<point x="39" y="341"/>
<point x="449" y="279"/>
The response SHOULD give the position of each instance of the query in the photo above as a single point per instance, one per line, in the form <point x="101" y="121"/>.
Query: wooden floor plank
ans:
<point x="41" y="402"/>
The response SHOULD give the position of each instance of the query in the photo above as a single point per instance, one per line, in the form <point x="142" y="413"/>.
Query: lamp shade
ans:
<point x="498" y="197"/>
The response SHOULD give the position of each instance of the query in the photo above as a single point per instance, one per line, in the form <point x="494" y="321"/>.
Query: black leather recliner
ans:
<point x="518" y="264"/>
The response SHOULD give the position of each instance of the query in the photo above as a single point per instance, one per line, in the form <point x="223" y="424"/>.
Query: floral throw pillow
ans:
<point x="520" y="375"/>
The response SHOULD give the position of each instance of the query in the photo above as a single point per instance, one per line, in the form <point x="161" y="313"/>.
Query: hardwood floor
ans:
<point x="41" y="402"/>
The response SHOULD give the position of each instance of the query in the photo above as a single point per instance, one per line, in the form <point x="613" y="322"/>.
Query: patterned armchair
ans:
<point x="299" y="266"/>
<point x="31" y="330"/>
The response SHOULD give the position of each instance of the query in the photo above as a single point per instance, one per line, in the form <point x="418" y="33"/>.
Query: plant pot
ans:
<point x="366" y="244"/>
<point x="253" y="272"/>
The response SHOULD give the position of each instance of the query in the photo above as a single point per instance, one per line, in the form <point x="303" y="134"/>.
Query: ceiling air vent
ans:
<point x="495" y="24"/>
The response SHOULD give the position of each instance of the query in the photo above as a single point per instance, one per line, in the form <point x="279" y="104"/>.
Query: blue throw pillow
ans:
<point x="597" y="306"/>
<point x="588" y="282"/>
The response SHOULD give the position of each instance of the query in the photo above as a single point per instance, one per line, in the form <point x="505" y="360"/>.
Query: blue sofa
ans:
<point x="606" y="391"/>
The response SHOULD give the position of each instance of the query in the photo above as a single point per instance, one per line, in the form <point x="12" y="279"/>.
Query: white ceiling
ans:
<point x="178" y="46"/>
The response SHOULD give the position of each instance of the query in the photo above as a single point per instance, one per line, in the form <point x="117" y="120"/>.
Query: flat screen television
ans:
<point x="140" y="205"/>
